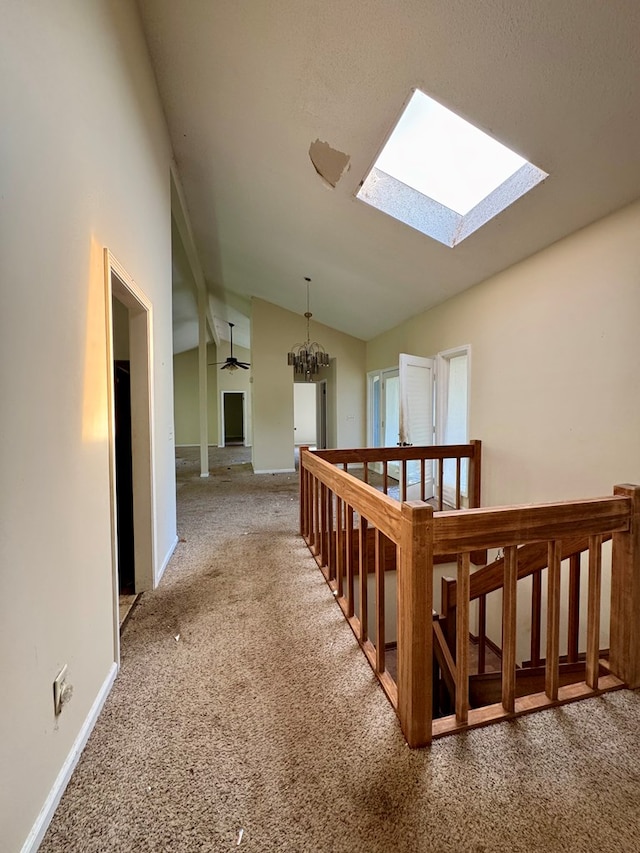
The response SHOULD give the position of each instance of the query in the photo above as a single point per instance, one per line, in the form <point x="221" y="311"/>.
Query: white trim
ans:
<point x="47" y="811"/>
<point x="119" y="283"/>
<point x="165" y="562"/>
<point x="276" y="471"/>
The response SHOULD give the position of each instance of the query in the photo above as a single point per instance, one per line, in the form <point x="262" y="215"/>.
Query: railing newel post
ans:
<point x="304" y="486"/>
<point x="624" y="651"/>
<point x="415" y="628"/>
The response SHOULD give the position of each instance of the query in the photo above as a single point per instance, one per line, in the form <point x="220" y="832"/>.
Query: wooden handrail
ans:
<point x="460" y="531"/>
<point x="531" y="558"/>
<point x="397" y="454"/>
<point x="382" y="511"/>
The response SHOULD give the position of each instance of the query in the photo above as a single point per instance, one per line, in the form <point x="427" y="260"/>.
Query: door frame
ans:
<point x="443" y="360"/>
<point x="221" y="431"/>
<point x="321" y="414"/>
<point x="120" y="285"/>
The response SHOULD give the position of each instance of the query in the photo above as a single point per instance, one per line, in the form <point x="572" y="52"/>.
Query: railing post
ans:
<point x="474" y="487"/>
<point x="624" y="652"/>
<point x="448" y="610"/>
<point x="475" y="475"/>
<point x="304" y="478"/>
<point x="415" y="630"/>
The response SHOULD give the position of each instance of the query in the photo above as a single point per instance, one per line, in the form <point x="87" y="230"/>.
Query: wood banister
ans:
<point x="593" y="612"/>
<point x="574" y="608"/>
<point x="495" y="527"/>
<point x="552" y="672"/>
<point x="531" y="558"/>
<point x="624" y="651"/>
<point x="363" y="455"/>
<point x="415" y="632"/>
<point x="381" y="510"/>
<point x="509" y="603"/>
<point x="462" y="639"/>
<point x="349" y="526"/>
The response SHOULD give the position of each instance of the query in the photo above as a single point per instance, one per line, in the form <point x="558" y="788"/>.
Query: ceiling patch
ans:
<point x="328" y="163"/>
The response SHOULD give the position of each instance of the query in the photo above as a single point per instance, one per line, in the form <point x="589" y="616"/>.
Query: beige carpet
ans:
<point x="244" y="712"/>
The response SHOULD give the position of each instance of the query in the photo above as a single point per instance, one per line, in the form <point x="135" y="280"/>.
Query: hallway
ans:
<point x="245" y="717"/>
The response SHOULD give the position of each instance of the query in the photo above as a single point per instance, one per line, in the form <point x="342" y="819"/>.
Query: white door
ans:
<point x="416" y="416"/>
<point x="304" y="413"/>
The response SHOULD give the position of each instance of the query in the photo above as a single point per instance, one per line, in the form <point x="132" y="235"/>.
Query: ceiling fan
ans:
<point x="231" y="362"/>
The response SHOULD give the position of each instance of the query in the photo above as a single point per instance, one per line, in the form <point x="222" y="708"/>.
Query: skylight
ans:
<point x="443" y="176"/>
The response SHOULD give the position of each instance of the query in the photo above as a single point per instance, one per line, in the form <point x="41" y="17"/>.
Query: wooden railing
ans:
<point x="532" y="561"/>
<point x="560" y="527"/>
<point x="462" y="491"/>
<point x="355" y="530"/>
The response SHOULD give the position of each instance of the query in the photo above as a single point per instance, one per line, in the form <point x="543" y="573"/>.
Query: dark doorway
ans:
<point x="233" y="418"/>
<point x="124" y="477"/>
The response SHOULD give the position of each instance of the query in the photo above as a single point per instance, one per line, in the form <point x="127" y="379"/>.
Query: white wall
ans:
<point x="85" y="163"/>
<point x="273" y="331"/>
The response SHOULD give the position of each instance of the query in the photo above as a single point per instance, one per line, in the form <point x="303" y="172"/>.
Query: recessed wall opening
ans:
<point x="129" y="347"/>
<point x="233" y="419"/>
<point x="442" y="175"/>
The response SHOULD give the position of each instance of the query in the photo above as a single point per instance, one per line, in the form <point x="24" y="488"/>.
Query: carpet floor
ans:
<point x="245" y="717"/>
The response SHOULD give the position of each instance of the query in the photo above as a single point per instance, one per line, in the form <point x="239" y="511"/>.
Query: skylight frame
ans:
<point x="430" y="217"/>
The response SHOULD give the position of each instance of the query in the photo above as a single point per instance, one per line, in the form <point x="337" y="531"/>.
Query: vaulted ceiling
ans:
<point x="249" y="85"/>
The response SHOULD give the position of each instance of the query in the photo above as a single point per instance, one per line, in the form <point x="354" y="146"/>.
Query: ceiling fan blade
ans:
<point x="243" y="365"/>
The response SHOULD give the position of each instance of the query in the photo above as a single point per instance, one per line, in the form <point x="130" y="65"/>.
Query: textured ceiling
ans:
<point x="249" y="85"/>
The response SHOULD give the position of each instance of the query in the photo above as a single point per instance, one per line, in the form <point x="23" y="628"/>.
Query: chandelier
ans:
<point x="307" y="358"/>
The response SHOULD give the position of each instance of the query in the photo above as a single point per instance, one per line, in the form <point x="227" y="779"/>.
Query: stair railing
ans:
<point x="354" y="530"/>
<point x="532" y="537"/>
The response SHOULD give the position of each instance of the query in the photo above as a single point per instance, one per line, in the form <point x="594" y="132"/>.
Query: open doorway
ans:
<point x="130" y="434"/>
<point x="123" y="450"/>
<point x="233" y="419"/>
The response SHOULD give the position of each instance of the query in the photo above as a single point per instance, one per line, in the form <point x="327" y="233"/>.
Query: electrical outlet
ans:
<point x="61" y="690"/>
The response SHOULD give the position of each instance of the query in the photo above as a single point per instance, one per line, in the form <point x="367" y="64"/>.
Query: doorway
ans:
<point x="233" y="419"/>
<point x="383" y="421"/>
<point x="130" y="434"/>
<point x="124" y="476"/>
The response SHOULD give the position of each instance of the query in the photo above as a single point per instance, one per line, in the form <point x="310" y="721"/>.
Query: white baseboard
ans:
<point x="166" y="561"/>
<point x="62" y="780"/>
<point x="276" y="471"/>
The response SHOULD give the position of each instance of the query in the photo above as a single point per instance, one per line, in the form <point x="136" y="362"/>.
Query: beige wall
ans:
<point x="186" y="395"/>
<point x="85" y="158"/>
<point x="233" y="380"/>
<point x="555" y="362"/>
<point x="273" y="332"/>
